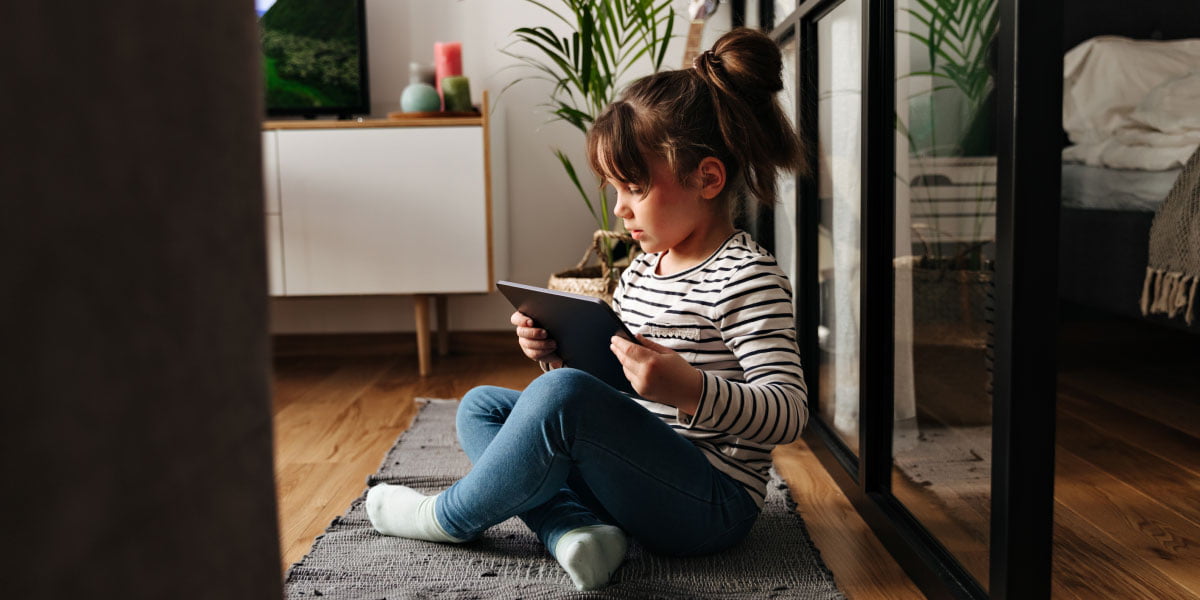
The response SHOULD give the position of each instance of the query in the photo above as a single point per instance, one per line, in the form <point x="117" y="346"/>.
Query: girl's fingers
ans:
<point x="632" y="351"/>
<point x="629" y="363"/>
<point x="532" y="333"/>
<point x="537" y="345"/>
<point x="618" y="350"/>
<point x="542" y="355"/>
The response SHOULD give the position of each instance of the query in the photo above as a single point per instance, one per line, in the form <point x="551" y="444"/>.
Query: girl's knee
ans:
<point x="564" y="379"/>
<point x="484" y="400"/>
<point x="569" y="390"/>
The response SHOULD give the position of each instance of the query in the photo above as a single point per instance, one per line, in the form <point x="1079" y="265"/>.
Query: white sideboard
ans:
<point x="387" y="207"/>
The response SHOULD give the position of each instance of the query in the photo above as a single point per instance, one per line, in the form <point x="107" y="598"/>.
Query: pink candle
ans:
<point x="447" y="61"/>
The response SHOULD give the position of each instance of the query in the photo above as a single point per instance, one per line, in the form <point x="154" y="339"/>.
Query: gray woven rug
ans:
<point x="351" y="561"/>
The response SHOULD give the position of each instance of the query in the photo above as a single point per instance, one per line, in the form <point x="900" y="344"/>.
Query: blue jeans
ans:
<point x="571" y="451"/>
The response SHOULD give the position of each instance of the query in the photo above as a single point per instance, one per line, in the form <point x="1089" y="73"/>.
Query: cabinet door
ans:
<point x="274" y="257"/>
<point x="270" y="173"/>
<point x="383" y="210"/>
<point x="271" y="205"/>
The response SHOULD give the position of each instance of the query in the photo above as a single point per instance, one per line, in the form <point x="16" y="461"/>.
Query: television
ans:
<point x="314" y="57"/>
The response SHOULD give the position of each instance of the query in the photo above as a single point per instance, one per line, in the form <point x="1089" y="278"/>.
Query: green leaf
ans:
<point x="566" y="163"/>
<point x="662" y="51"/>
<point x="588" y="31"/>
<point x="587" y="65"/>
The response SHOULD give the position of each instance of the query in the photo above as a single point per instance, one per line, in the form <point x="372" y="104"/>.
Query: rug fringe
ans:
<point x="421" y="400"/>
<point x="1169" y="293"/>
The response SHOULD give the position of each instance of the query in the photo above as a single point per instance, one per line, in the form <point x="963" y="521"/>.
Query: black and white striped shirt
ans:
<point x="731" y="317"/>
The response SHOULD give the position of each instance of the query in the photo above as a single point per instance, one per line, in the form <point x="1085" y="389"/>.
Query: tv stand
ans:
<point x="387" y="207"/>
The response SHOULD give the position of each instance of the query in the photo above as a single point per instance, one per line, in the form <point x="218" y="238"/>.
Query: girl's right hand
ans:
<point x="534" y="341"/>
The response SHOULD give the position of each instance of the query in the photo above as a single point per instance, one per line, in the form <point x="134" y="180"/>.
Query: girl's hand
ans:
<point x="659" y="373"/>
<point x="535" y="342"/>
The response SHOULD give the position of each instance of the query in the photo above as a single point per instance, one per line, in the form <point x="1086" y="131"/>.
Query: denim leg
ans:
<point x="481" y="414"/>
<point x="655" y="484"/>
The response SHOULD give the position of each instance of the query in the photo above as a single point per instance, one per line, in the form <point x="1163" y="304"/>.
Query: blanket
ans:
<point x="1130" y="104"/>
<point x="1174" y="263"/>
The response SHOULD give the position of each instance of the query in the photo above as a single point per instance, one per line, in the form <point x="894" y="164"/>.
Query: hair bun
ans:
<point x="749" y="62"/>
<point x="705" y="59"/>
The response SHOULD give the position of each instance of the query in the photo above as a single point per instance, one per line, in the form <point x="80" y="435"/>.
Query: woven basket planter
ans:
<point x="599" y="280"/>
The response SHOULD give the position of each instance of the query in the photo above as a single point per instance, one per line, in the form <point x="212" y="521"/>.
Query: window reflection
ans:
<point x="839" y="183"/>
<point x="945" y="247"/>
<point x="783" y="8"/>
<point x="785" y="211"/>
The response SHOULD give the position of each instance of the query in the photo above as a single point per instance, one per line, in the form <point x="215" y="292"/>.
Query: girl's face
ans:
<point x="665" y="215"/>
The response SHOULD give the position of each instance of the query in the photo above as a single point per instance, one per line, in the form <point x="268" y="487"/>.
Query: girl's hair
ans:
<point x="724" y="106"/>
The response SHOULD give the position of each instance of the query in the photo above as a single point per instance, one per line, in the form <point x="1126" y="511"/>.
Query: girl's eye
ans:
<point x="637" y="191"/>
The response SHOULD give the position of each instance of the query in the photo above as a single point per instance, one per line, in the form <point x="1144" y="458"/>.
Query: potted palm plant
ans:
<point x="951" y="171"/>
<point x="587" y="66"/>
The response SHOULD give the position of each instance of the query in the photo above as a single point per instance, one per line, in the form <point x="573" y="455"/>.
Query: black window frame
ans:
<point x="1027" y="204"/>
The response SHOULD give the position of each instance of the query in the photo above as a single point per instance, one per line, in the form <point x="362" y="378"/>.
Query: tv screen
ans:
<point x="314" y="56"/>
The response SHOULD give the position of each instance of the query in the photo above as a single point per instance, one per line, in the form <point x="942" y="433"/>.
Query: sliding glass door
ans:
<point x="923" y="316"/>
<point x="838" y="174"/>
<point x="943" y="270"/>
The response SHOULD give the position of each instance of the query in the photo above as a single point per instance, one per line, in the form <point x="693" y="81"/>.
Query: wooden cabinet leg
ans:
<point x="421" y="321"/>
<point x="443" y="331"/>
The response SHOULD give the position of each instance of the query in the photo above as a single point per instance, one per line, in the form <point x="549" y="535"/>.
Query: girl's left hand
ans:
<point x="658" y="373"/>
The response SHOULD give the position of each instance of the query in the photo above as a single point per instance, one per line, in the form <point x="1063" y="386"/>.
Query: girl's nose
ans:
<point x="621" y="208"/>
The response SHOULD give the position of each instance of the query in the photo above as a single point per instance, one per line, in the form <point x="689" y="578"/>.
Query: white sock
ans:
<point x="404" y="512"/>
<point x="590" y="554"/>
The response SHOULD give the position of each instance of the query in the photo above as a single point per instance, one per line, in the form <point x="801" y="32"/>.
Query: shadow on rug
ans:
<point x="351" y="561"/>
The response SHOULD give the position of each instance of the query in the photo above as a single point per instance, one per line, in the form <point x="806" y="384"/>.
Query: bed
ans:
<point x="1127" y="142"/>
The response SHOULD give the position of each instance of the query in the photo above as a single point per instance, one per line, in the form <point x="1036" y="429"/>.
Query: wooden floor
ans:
<point x="1127" y="468"/>
<point x="1127" y="485"/>
<point x="340" y="402"/>
<point x="1127" y="505"/>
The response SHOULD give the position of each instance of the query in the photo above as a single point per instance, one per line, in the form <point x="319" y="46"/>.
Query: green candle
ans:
<point x="456" y="91"/>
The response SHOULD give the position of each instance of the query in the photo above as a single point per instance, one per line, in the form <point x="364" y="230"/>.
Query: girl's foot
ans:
<point x="404" y="512"/>
<point x="591" y="554"/>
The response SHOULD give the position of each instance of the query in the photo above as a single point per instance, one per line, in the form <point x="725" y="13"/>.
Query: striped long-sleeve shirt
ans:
<point x="731" y="317"/>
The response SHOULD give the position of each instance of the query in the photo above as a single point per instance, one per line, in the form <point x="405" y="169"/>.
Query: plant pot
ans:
<point x="953" y="344"/>
<point x="599" y="280"/>
<point x="590" y="281"/>
<point x="951" y="296"/>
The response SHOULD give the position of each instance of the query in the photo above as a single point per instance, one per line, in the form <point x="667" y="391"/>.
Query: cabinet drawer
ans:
<point x="383" y="210"/>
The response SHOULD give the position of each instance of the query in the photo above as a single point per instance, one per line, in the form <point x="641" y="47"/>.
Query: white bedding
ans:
<point x="1101" y="188"/>
<point x="1132" y="104"/>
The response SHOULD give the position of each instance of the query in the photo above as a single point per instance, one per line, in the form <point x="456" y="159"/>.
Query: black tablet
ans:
<point x="582" y="326"/>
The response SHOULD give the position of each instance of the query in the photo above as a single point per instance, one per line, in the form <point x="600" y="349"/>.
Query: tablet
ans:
<point x="582" y="326"/>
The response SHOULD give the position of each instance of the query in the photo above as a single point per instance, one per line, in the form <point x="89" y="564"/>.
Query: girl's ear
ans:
<point x="712" y="177"/>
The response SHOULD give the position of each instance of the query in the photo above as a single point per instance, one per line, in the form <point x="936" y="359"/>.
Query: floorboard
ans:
<point x="1128" y="518"/>
<point x="1127" y="484"/>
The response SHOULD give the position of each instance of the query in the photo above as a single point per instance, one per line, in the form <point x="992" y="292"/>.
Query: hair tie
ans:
<point x="707" y="55"/>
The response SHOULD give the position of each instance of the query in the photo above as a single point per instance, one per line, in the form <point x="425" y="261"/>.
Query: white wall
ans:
<point x="549" y="225"/>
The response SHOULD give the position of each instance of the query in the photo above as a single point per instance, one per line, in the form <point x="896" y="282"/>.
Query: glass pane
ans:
<point x="783" y="8"/>
<point x="785" y="210"/>
<point x="839" y="88"/>
<point x="945" y="248"/>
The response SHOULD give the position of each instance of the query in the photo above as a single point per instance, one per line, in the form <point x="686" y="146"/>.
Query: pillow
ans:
<point x="1105" y="78"/>
<point x="1173" y="106"/>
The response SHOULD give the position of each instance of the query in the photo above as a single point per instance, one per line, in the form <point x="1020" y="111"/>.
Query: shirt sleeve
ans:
<point x="757" y="323"/>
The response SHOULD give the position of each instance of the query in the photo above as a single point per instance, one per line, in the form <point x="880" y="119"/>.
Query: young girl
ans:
<point x="683" y="466"/>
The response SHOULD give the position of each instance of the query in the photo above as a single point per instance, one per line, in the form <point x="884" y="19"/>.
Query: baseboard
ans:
<point x="379" y="344"/>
